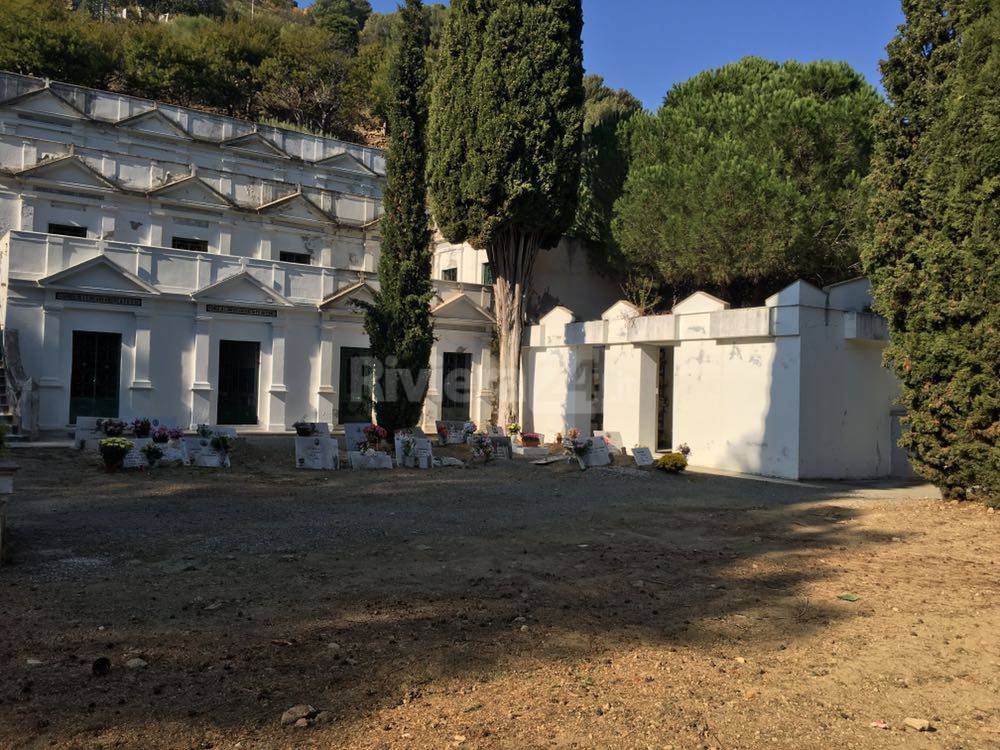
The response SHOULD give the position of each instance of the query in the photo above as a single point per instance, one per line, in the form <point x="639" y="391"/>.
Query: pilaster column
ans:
<point x="327" y="395"/>
<point x="432" y="403"/>
<point x="201" y="389"/>
<point x="141" y="385"/>
<point x="52" y="375"/>
<point x="483" y="363"/>
<point x="277" y="392"/>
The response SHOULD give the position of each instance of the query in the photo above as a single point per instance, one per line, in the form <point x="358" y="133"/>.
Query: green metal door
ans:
<point x="96" y="373"/>
<point x="238" y="365"/>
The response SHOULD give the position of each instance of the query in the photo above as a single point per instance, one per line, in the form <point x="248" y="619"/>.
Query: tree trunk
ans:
<point x="512" y="258"/>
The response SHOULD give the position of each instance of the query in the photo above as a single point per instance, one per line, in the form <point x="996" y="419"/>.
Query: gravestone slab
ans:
<point x="174" y="452"/>
<point x="450" y="432"/>
<point x="597" y="454"/>
<point x="643" y="456"/>
<point x="86" y="435"/>
<point x="420" y="444"/>
<point x="371" y="460"/>
<point x="540" y="452"/>
<point x="318" y="452"/>
<point x="613" y="440"/>
<point x="135" y="458"/>
<point x="201" y="453"/>
<point x="502" y="447"/>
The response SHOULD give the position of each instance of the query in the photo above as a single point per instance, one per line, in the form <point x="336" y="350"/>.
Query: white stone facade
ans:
<point x="172" y="231"/>
<point x="793" y="389"/>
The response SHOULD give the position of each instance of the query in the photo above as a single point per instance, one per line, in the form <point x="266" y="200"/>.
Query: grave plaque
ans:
<point x="612" y="439"/>
<point x="135" y="458"/>
<point x="318" y="452"/>
<point x="419" y="444"/>
<point x="502" y="447"/>
<point x="597" y="454"/>
<point x="201" y="453"/>
<point x="450" y="432"/>
<point x="643" y="456"/>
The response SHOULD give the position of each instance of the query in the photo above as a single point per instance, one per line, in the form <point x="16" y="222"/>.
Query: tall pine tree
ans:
<point x="935" y="259"/>
<point x="398" y="321"/>
<point x="504" y="145"/>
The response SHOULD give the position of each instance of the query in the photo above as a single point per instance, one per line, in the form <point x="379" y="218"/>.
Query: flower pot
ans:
<point x="304" y="430"/>
<point x="530" y="443"/>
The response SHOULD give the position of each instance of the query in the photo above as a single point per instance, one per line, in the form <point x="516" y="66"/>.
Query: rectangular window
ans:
<point x="303" y="258"/>
<point x="487" y="274"/>
<point x="449" y="274"/>
<point x="67" y="230"/>
<point x="187" y="243"/>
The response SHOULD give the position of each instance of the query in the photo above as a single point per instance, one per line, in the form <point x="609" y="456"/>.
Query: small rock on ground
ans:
<point x="921" y="725"/>
<point x="295" y="713"/>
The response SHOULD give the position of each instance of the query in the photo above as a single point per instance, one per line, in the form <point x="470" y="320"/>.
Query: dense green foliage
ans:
<point x="504" y="144"/>
<point x="603" y="166"/>
<point x="506" y="119"/>
<point x="935" y="259"/>
<point x="398" y="321"/>
<point x="322" y="71"/>
<point x="749" y="177"/>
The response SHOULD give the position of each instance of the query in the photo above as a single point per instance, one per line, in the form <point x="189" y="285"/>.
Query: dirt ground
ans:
<point x="506" y="606"/>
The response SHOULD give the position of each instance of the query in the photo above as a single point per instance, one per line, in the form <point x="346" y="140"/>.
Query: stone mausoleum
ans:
<point x="162" y="261"/>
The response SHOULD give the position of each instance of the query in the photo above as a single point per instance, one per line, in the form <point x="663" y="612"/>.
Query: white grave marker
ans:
<point x="419" y="444"/>
<point x="369" y="460"/>
<point x="597" y="454"/>
<point x="318" y="452"/>
<point x="354" y="433"/>
<point x="613" y="440"/>
<point x="643" y="456"/>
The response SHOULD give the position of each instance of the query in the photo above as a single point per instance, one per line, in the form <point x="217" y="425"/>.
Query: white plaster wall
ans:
<point x="630" y="393"/>
<point x="847" y="397"/>
<point x="736" y="404"/>
<point x="555" y="391"/>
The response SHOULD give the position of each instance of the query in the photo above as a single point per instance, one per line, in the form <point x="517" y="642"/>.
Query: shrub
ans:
<point x="674" y="463"/>
<point x="113" y="451"/>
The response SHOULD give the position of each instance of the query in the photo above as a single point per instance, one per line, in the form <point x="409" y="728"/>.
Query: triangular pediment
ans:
<point x="346" y="297"/>
<point x="295" y="207"/>
<point x="460" y="307"/>
<point x="101" y="275"/>
<point x="621" y="309"/>
<point x="45" y="102"/>
<point x="154" y="122"/>
<point x="191" y="190"/>
<point x="699" y="302"/>
<point x="242" y="288"/>
<point x="70" y="171"/>
<point x="254" y="143"/>
<point x="347" y="162"/>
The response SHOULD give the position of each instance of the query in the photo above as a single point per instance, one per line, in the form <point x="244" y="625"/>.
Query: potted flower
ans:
<point x="442" y="432"/>
<point x="175" y="434"/>
<point x="204" y="431"/>
<point x="482" y="446"/>
<point x="575" y="447"/>
<point x="222" y="444"/>
<point x="111" y="427"/>
<point x="468" y="429"/>
<point x="672" y="463"/>
<point x="530" y="439"/>
<point x="113" y="452"/>
<point x="305" y="429"/>
<point x="153" y="452"/>
<point x="160" y="435"/>
<point x="408" y="444"/>
<point x="141" y="427"/>
<point x="374" y="435"/>
<point x="513" y="429"/>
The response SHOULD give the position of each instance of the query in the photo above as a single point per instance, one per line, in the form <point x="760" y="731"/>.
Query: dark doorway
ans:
<point x="97" y="362"/>
<point x="597" y="390"/>
<point x="457" y="382"/>
<point x="238" y="365"/>
<point x="356" y="382"/>
<point x="665" y="399"/>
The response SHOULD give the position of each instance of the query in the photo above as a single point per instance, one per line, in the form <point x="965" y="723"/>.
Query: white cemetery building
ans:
<point x="158" y="260"/>
<point x="161" y="261"/>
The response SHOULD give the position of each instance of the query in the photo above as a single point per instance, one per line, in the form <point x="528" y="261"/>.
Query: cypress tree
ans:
<point x="504" y="145"/>
<point x="935" y="258"/>
<point x="398" y="321"/>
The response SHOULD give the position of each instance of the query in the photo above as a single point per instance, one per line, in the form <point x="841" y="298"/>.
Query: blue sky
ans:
<point x="647" y="45"/>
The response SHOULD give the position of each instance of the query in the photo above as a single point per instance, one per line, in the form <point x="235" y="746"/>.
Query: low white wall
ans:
<point x="736" y="404"/>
